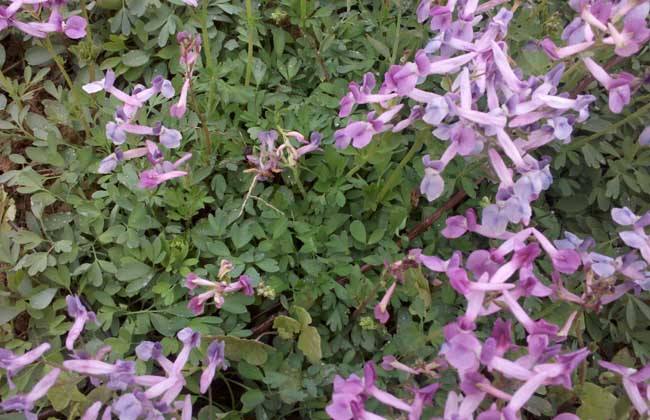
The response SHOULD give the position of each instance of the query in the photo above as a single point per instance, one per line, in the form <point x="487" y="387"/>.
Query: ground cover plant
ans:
<point x="349" y="210"/>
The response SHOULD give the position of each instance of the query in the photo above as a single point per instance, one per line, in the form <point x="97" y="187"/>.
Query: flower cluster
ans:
<point x="161" y="170"/>
<point x="216" y="290"/>
<point x="494" y="111"/>
<point x="267" y="162"/>
<point x="74" y="27"/>
<point x="141" y="396"/>
<point x="619" y="24"/>
<point x="190" y="52"/>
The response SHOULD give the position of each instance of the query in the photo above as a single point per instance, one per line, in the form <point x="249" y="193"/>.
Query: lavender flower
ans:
<point x="217" y="291"/>
<point x="350" y="394"/>
<point x="81" y="315"/>
<point x="360" y="133"/>
<point x="74" y="27"/>
<point x="92" y="412"/>
<point x="120" y="375"/>
<point x="14" y="364"/>
<point x="25" y="402"/>
<point x="127" y="407"/>
<point x="381" y="309"/>
<point x="632" y="383"/>
<point x="215" y="359"/>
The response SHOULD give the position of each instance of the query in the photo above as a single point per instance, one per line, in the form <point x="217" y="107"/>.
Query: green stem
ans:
<point x="303" y="14"/>
<point x="232" y="395"/>
<point x="207" y="145"/>
<point x="296" y="176"/>
<point x="637" y="114"/>
<point x="355" y="168"/>
<point x="59" y="63"/>
<point x="250" y="22"/>
<point x="204" y="32"/>
<point x="89" y="38"/>
<point x="419" y="140"/>
<point x="393" y="57"/>
<point x="582" y="373"/>
<point x="209" y="60"/>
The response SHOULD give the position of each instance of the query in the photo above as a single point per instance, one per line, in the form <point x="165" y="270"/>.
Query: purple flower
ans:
<point x="360" y="133"/>
<point x="215" y="359"/>
<point x="92" y="412"/>
<point x="391" y="363"/>
<point x="25" y="402"/>
<point x="460" y="282"/>
<point x="110" y="162"/>
<point x="461" y="350"/>
<point x="75" y="27"/>
<point x="619" y="88"/>
<point x="401" y="79"/>
<point x="120" y="375"/>
<point x="362" y="95"/>
<point x="422" y="397"/>
<point x="556" y="53"/>
<point x="77" y="311"/>
<point x="216" y="290"/>
<point x="14" y="364"/>
<point x="532" y="327"/>
<point x="313" y="145"/>
<point x="243" y="284"/>
<point x="127" y="407"/>
<point x="172" y="384"/>
<point x="644" y="138"/>
<point x="186" y="413"/>
<point x="461" y="407"/>
<point x="635" y="34"/>
<point x="149" y="350"/>
<point x="190" y="46"/>
<point x="160" y="173"/>
<point x="177" y="110"/>
<point x="349" y="396"/>
<point x="381" y="309"/>
<point x="347" y="393"/>
<point x="632" y="383"/>
<point x="435" y="111"/>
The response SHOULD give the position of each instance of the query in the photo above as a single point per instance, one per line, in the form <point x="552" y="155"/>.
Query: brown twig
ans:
<point x="266" y="325"/>
<point x="453" y="202"/>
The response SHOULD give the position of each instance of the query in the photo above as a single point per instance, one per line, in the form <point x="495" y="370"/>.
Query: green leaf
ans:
<point x="253" y="352"/>
<point x="64" y="392"/>
<point x="269" y="265"/>
<point x="597" y="403"/>
<point x="133" y="270"/>
<point x="378" y="46"/>
<point x="43" y="298"/>
<point x="303" y="316"/>
<point x="135" y="58"/>
<point x="249" y="371"/>
<point x="251" y="399"/>
<point x="39" y="201"/>
<point x="241" y="235"/>
<point x="358" y="231"/>
<point x="9" y="312"/>
<point x="287" y="327"/>
<point x="309" y="343"/>
<point x="645" y="309"/>
<point x="167" y="326"/>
